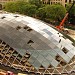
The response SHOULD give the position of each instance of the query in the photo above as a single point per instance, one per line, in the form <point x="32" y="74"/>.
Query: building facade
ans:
<point x="63" y="2"/>
<point x="4" y="1"/>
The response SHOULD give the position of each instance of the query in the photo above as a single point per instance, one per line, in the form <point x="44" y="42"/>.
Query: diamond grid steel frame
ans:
<point x="63" y="55"/>
<point x="11" y="58"/>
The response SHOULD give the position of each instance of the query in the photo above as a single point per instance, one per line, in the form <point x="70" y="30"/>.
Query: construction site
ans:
<point x="32" y="47"/>
<point x="29" y="46"/>
<point x="72" y="33"/>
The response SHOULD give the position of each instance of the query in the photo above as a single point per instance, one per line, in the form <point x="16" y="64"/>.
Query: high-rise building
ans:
<point x="63" y="2"/>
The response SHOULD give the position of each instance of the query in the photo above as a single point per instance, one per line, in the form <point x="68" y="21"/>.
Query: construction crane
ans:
<point x="61" y="26"/>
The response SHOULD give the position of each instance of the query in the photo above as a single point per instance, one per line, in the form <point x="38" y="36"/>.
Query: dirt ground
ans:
<point x="71" y="33"/>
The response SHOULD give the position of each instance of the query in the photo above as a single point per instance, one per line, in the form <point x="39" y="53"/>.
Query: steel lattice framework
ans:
<point x="30" y="45"/>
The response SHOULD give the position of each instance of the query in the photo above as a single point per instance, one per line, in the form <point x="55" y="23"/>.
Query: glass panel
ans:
<point x="45" y="63"/>
<point x="54" y="63"/>
<point x="36" y="64"/>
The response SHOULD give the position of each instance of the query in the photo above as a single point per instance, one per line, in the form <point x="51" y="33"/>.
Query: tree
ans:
<point x="72" y="11"/>
<point x="41" y="13"/>
<point x="0" y="6"/>
<point x="30" y="9"/>
<point x="14" y="6"/>
<point x="10" y="7"/>
<point x="71" y="17"/>
<point x="38" y="3"/>
<point x="21" y="7"/>
<point x="55" y="12"/>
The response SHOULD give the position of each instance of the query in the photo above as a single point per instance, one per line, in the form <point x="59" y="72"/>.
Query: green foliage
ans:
<point x="55" y="12"/>
<point x="38" y="3"/>
<point x="21" y="7"/>
<point x="34" y="8"/>
<point x="71" y="17"/>
<point x="51" y="13"/>
<point x="41" y="13"/>
<point x="16" y="6"/>
<point x="30" y="9"/>
<point x="72" y="11"/>
<point x="10" y="7"/>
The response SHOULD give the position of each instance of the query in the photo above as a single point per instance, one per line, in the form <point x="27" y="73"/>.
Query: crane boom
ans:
<point x="61" y="26"/>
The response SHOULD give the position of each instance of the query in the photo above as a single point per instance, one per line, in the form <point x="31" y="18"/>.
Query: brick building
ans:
<point x="4" y="1"/>
<point x="63" y="2"/>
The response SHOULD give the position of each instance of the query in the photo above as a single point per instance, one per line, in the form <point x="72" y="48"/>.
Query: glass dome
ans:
<point x="32" y="46"/>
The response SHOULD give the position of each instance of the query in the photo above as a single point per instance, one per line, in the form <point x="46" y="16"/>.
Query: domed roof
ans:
<point x="31" y="45"/>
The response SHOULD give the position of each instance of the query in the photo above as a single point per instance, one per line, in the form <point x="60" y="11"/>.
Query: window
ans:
<point x="65" y="0"/>
<point x="0" y="6"/>
<point x="69" y="1"/>
<point x="65" y="5"/>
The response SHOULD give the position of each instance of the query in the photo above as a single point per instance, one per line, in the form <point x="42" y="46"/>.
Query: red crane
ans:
<point x="61" y="26"/>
